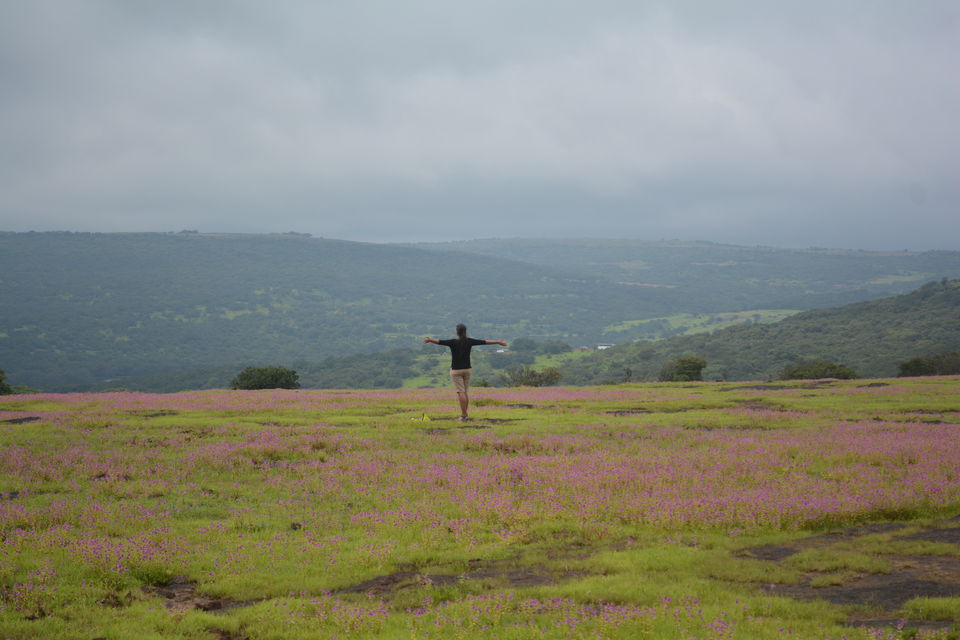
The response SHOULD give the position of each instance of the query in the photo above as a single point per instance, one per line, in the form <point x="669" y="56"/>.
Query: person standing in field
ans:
<point x="460" y="365"/>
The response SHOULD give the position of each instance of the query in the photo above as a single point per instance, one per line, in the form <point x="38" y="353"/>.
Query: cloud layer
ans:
<point x="828" y="123"/>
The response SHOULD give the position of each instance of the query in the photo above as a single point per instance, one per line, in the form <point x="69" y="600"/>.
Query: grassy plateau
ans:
<point x="808" y="509"/>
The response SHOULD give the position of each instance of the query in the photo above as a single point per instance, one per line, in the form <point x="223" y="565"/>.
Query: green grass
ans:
<point x="933" y="609"/>
<point x="619" y="511"/>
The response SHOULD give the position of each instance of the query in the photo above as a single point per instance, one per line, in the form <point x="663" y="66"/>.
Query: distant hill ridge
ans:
<point x="872" y="337"/>
<point x="721" y="277"/>
<point x="84" y="308"/>
<point x="80" y="308"/>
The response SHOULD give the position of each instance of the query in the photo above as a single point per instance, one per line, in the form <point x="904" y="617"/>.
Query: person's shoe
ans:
<point x="463" y="418"/>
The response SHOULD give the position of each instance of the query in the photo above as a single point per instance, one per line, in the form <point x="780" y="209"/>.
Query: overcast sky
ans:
<point x="827" y="123"/>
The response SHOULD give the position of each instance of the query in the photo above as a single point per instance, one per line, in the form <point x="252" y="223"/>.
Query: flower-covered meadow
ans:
<point x="600" y="512"/>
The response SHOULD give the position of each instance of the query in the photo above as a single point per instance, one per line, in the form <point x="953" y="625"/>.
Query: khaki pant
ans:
<point x="461" y="379"/>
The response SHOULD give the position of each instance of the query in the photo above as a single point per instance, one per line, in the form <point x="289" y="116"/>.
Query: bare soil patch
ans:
<point x="23" y="420"/>
<point x="438" y="431"/>
<point x="180" y="594"/>
<point x="950" y="535"/>
<point x="155" y="414"/>
<point x="814" y="384"/>
<point x="504" y="573"/>
<point x="220" y="634"/>
<point x="472" y="423"/>
<point x="644" y="410"/>
<point x="442" y="431"/>
<point x="878" y="597"/>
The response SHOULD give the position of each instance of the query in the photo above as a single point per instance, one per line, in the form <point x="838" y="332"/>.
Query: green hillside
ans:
<point x="871" y="337"/>
<point x="83" y="308"/>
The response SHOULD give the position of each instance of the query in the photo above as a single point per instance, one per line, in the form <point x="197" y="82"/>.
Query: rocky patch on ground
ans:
<point x="875" y="599"/>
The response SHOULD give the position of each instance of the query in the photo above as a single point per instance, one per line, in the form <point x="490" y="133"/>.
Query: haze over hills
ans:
<point x="722" y="277"/>
<point x="79" y="309"/>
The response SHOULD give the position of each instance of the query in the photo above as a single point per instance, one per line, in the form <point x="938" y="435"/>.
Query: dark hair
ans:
<point x="462" y="331"/>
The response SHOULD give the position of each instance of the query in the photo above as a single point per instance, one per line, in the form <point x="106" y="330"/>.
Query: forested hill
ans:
<point x="80" y="308"/>
<point x="871" y="337"/>
<point x="727" y="277"/>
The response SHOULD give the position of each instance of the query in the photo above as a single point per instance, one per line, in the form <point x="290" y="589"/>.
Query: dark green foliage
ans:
<point x="523" y="352"/>
<point x="683" y="369"/>
<point x="5" y="389"/>
<point x="816" y="370"/>
<point x="869" y="337"/>
<point x="509" y="360"/>
<point x="21" y="388"/>
<point x="917" y="367"/>
<point x="523" y="344"/>
<point x="266" y="378"/>
<point x="551" y="347"/>
<point x="944" y="364"/>
<point x="362" y="371"/>
<point x="529" y="345"/>
<point x="82" y="310"/>
<point x="529" y="377"/>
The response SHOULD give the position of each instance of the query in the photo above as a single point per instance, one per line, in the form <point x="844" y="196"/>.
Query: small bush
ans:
<point x="266" y="378"/>
<point x="944" y="364"/>
<point x="817" y="369"/>
<point x="683" y="369"/>
<point x="529" y="377"/>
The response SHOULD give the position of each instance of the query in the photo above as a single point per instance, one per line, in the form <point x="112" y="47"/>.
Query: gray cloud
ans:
<point x="821" y="123"/>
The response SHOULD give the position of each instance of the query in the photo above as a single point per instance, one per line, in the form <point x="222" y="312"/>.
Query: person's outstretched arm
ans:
<point x="431" y="341"/>
<point x="502" y="343"/>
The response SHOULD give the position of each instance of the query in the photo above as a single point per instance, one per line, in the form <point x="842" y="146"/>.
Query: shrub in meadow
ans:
<point x="817" y="370"/>
<point x="944" y="364"/>
<point x="684" y="369"/>
<point x="526" y="376"/>
<point x="266" y="378"/>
